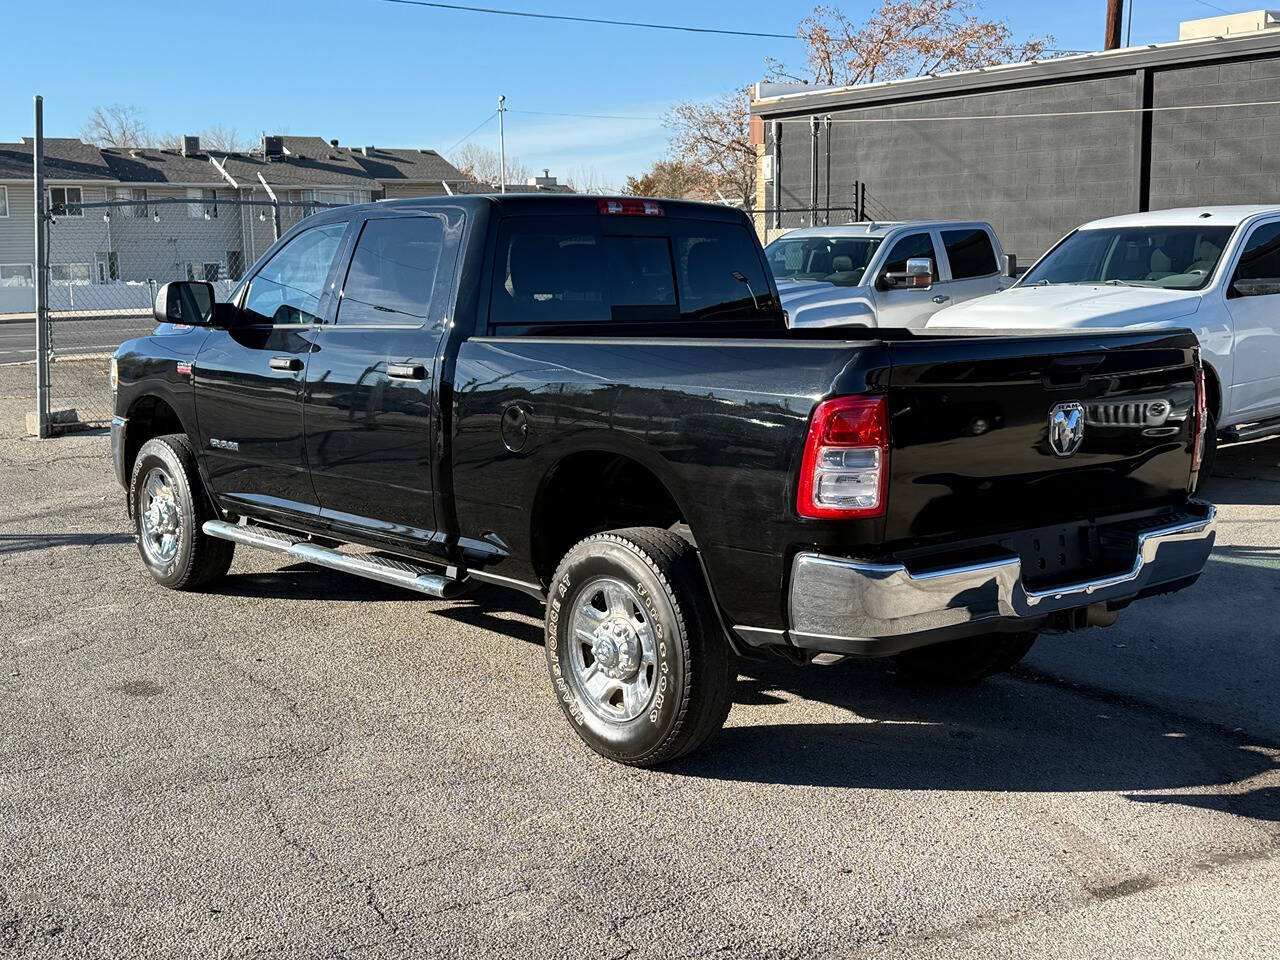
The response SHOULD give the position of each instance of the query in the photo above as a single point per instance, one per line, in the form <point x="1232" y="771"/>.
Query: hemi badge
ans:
<point x="184" y="368"/>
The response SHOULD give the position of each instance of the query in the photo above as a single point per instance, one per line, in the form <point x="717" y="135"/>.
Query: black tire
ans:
<point x="1210" y="455"/>
<point x="691" y="678"/>
<point x="959" y="662"/>
<point x="197" y="559"/>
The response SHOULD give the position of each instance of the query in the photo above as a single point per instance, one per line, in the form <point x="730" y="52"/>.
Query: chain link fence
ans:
<point x="107" y="260"/>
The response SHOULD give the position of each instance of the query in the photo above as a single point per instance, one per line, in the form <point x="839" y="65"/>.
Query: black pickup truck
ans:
<point x="598" y="402"/>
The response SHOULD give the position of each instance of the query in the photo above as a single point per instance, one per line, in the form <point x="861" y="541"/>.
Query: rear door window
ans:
<point x="970" y="253"/>
<point x="393" y="271"/>
<point x="565" y="270"/>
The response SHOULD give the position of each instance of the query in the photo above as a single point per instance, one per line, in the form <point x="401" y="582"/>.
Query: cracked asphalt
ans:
<point x="304" y="764"/>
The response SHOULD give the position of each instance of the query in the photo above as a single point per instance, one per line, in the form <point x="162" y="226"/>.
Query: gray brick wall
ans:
<point x="1034" y="179"/>
<point x="1207" y="157"/>
<point x="1037" y="178"/>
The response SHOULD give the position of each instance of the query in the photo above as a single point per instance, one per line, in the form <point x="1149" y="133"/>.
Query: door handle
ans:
<point x="941" y="298"/>
<point x="293" y="364"/>
<point x="406" y="371"/>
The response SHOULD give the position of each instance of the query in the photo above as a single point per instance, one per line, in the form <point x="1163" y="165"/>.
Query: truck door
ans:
<point x="1253" y="300"/>
<point x="908" y="306"/>
<point x="972" y="267"/>
<point x="248" y="379"/>
<point x="371" y="381"/>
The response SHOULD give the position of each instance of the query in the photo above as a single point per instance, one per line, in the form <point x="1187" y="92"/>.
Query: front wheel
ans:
<point x="967" y="660"/>
<point x="169" y="510"/>
<point x="637" y="656"/>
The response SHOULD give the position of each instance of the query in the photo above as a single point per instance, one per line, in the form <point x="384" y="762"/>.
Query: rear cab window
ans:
<point x="970" y="253"/>
<point x="653" y="274"/>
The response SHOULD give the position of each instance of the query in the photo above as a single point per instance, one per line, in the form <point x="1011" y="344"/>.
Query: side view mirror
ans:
<point x="188" y="302"/>
<point x="918" y="275"/>
<point x="1011" y="266"/>
<point x="1254" y="288"/>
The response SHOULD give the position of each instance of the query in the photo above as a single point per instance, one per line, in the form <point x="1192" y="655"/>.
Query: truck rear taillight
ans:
<point x="1200" y="422"/>
<point x="845" y="469"/>
<point x="631" y="208"/>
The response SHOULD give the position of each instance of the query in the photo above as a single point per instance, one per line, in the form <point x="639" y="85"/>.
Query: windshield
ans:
<point x="1172" y="258"/>
<point x="830" y="259"/>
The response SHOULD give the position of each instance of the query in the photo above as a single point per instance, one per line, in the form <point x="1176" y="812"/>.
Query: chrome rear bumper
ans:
<point x="851" y="606"/>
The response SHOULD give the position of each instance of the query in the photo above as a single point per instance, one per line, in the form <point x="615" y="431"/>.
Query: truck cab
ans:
<point x="884" y="274"/>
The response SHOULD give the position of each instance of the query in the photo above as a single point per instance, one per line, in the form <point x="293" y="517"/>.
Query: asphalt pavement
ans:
<point x="304" y="764"/>
<point x="72" y="337"/>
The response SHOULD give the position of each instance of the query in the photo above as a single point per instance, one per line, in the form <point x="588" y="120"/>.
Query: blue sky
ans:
<point x="367" y="71"/>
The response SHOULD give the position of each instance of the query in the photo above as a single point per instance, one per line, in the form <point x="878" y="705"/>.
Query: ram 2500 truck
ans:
<point x="597" y="402"/>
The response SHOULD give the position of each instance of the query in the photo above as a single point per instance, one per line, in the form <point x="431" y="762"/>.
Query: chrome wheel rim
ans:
<point x="612" y="652"/>
<point x="159" y="516"/>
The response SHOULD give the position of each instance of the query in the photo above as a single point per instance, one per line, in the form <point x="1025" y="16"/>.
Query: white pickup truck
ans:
<point x="884" y="274"/>
<point x="1215" y="270"/>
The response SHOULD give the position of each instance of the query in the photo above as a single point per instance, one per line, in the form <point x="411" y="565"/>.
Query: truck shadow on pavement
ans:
<point x="27" y="542"/>
<point x="1025" y="732"/>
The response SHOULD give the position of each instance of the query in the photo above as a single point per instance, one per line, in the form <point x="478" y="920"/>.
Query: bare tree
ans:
<point x="670" y="178"/>
<point x="907" y="38"/>
<point x="223" y="139"/>
<point x="483" y="165"/>
<point x="712" y="137"/>
<point x="588" y="180"/>
<point x="117" y="125"/>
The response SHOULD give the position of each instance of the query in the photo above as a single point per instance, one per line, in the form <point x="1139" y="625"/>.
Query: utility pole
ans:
<point x="1115" y="19"/>
<point x="43" y="429"/>
<point x="502" y="146"/>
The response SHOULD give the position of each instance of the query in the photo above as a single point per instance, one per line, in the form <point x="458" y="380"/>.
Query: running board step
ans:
<point x="1251" y="431"/>
<point x="397" y="573"/>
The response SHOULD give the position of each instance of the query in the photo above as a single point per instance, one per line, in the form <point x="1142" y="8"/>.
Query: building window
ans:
<point x="136" y="209"/>
<point x="107" y="267"/>
<point x="210" y="271"/>
<point x="333" y="197"/>
<point x="206" y="204"/>
<point x="65" y="201"/>
<point x="16" y="275"/>
<point x="70" y="273"/>
<point x="4" y="201"/>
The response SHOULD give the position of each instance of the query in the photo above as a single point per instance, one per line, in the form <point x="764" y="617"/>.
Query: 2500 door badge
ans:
<point x="223" y="444"/>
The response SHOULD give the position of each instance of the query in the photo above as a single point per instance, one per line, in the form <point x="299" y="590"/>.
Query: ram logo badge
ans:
<point x="1066" y="429"/>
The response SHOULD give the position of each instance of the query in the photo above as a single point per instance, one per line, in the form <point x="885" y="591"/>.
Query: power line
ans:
<point x="474" y="131"/>
<point x="587" y="116"/>
<point x="1211" y="6"/>
<point x="613" y="23"/>
<point x="1031" y="116"/>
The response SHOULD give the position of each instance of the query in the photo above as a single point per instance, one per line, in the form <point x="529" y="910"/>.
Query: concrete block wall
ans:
<point x="1230" y="155"/>
<point x="1034" y="179"/>
<point x="1037" y="178"/>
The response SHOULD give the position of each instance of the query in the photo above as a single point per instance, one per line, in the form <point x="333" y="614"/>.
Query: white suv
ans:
<point x="883" y="274"/>
<point x="1215" y="270"/>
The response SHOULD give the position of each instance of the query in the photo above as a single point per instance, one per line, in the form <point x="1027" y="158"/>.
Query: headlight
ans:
<point x="115" y="374"/>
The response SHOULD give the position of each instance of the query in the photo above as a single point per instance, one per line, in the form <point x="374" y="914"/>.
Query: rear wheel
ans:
<point x="637" y="656"/>
<point x="967" y="660"/>
<point x="169" y="510"/>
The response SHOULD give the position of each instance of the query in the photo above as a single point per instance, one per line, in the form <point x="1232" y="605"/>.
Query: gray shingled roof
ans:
<point x="66" y="158"/>
<point x="160" y="166"/>
<point x="405" y="166"/>
<point x="308" y="162"/>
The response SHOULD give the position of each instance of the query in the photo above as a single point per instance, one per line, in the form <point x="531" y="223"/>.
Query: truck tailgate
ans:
<point x="971" y="446"/>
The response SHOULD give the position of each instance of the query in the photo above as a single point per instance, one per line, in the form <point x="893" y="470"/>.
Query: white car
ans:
<point x="883" y="274"/>
<point x="1215" y="270"/>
